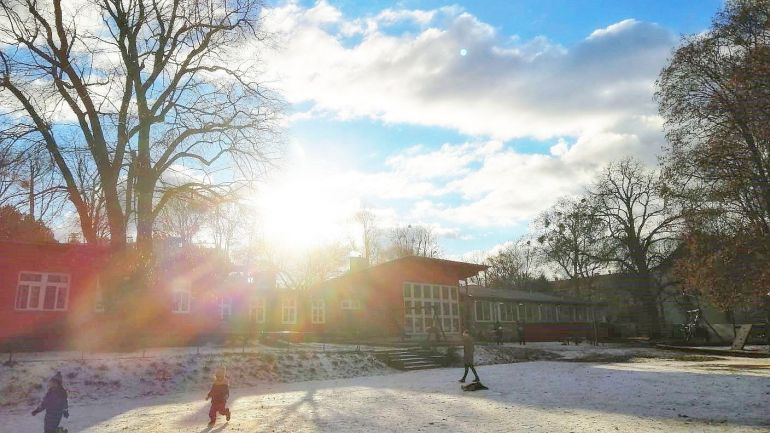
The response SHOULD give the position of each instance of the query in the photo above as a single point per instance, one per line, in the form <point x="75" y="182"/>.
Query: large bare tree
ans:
<point x="715" y="98"/>
<point x="639" y="232"/>
<point x="161" y="96"/>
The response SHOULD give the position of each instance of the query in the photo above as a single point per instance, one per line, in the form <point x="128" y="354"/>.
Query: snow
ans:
<point x="656" y="391"/>
<point x="172" y="371"/>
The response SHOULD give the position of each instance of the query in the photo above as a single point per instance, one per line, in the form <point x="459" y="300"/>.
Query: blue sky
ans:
<point x="470" y="118"/>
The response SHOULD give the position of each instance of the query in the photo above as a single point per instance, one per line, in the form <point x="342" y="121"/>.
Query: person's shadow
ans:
<point x="212" y="429"/>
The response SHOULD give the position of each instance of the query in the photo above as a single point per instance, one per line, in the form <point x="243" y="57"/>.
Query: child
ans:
<point x="219" y="393"/>
<point x="54" y="404"/>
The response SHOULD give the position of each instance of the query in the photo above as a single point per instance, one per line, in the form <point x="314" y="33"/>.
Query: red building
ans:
<point x="65" y="295"/>
<point x="403" y="297"/>
<point x="60" y="295"/>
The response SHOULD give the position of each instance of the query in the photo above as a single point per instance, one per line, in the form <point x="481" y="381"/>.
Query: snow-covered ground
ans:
<point x="95" y="379"/>
<point x="655" y="391"/>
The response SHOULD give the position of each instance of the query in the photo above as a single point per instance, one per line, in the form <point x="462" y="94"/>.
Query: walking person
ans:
<point x="219" y="393"/>
<point x="520" y="332"/>
<point x="499" y="334"/>
<point x="54" y="404"/>
<point x="468" y="349"/>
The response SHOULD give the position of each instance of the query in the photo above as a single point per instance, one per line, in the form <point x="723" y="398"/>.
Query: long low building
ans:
<point x="544" y="317"/>
<point x="57" y="295"/>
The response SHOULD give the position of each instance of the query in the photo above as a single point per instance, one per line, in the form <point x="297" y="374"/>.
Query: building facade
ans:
<point x="74" y="295"/>
<point x="544" y="317"/>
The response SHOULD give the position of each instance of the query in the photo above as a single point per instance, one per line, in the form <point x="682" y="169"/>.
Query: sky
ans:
<point x="470" y="118"/>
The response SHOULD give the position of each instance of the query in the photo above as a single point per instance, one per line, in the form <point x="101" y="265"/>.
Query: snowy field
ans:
<point x="705" y="394"/>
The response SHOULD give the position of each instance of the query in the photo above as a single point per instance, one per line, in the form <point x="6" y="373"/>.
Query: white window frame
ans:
<point x="177" y="304"/>
<point x="317" y="311"/>
<point x="476" y="305"/>
<point x="289" y="311"/>
<point x="42" y="285"/>
<point x="419" y="307"/>
<point x="228" y="306"/>
<point x="257" y="310"/>
<point x="350" y="304"/>
<point x="99" y="306"/>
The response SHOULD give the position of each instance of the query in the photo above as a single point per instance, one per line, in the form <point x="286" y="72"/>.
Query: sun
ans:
<point x="300" y="212"/>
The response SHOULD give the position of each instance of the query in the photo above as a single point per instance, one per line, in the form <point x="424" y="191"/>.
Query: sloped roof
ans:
<point x="464" y="269"/>
<point x="520" y="295"/>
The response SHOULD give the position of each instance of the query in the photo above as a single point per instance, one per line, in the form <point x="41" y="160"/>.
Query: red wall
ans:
<point x="380" y="290"/>
<point x="147" y="316"/>
<point x="80" y="263"/>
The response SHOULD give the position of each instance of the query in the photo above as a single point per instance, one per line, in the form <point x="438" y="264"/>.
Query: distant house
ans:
<point x="624" y="312"/>
<point x="546" y="317"/>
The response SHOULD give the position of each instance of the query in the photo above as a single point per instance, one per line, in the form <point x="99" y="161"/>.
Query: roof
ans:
<point x="519" y="295"/>
<point x="468" y="269"/>
<point x="464" y="269"/>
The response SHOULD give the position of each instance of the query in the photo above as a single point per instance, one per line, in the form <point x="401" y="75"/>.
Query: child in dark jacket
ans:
<point x="220" y="392"/>
<point x="54" y="404"/>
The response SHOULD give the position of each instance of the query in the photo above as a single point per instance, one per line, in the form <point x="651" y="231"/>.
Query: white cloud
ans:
<point x="593" y="101"/>
<point x="503" y="88"/>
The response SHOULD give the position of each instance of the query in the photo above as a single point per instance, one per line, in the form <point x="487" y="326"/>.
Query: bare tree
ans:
<point x="164" y="80"/>
<point x="227" y="220"/>
<point x="370" y="235"/>
<point x="301" y="270"/>
<point x="183" y="218"/>
<point x="10" y="163"/>
<point x="639" y="231"/>
<point x="28" y="179"/>
<point x="569" y="237"/>
<point x="413" y="241"/>
<point x="715" y="98"/>
<point x="512" y="267"/>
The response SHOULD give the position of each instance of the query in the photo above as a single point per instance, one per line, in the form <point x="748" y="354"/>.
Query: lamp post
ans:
<point x="767" y="321"/>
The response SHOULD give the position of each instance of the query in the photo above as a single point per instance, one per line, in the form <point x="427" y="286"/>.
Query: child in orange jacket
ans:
<point x="219" y="393"/>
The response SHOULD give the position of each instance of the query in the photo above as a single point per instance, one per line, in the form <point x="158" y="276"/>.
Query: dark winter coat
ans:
<point x="468" y="349"/>
<point x="55" y="401"/>
<point x="55" y="406"/>
<point x="219" y="393"/>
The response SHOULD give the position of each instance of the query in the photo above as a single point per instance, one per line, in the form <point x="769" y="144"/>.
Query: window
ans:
<point x="483" y="311"/>
<point x="508" y="312"/>
<point x="549" y="312"/>
<point x="180" y="301"/>
<point x="42" y="291"/>
<point x="530" y="312"/>
<point x="350" y="304"/>
<point x="98" y="297"/>
<point x="257" y="311"/>
<point x="289" y="310"/>
<point x="426" y="304"/>
<point x="225" y="308"/>
<point x="318" y="311"/>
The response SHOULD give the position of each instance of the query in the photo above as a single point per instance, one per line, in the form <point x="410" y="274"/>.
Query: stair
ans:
<point x="410" y="359"/>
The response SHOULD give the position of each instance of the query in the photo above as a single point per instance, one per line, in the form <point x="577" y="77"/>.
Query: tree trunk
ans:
<point x="115" y="217"/>
<point x="651" y="325"/>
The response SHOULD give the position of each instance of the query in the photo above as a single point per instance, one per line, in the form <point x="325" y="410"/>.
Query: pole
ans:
<point x="767" y="322"/>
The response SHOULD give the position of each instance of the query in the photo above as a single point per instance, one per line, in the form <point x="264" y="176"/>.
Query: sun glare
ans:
<point x="301" y="212"/>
